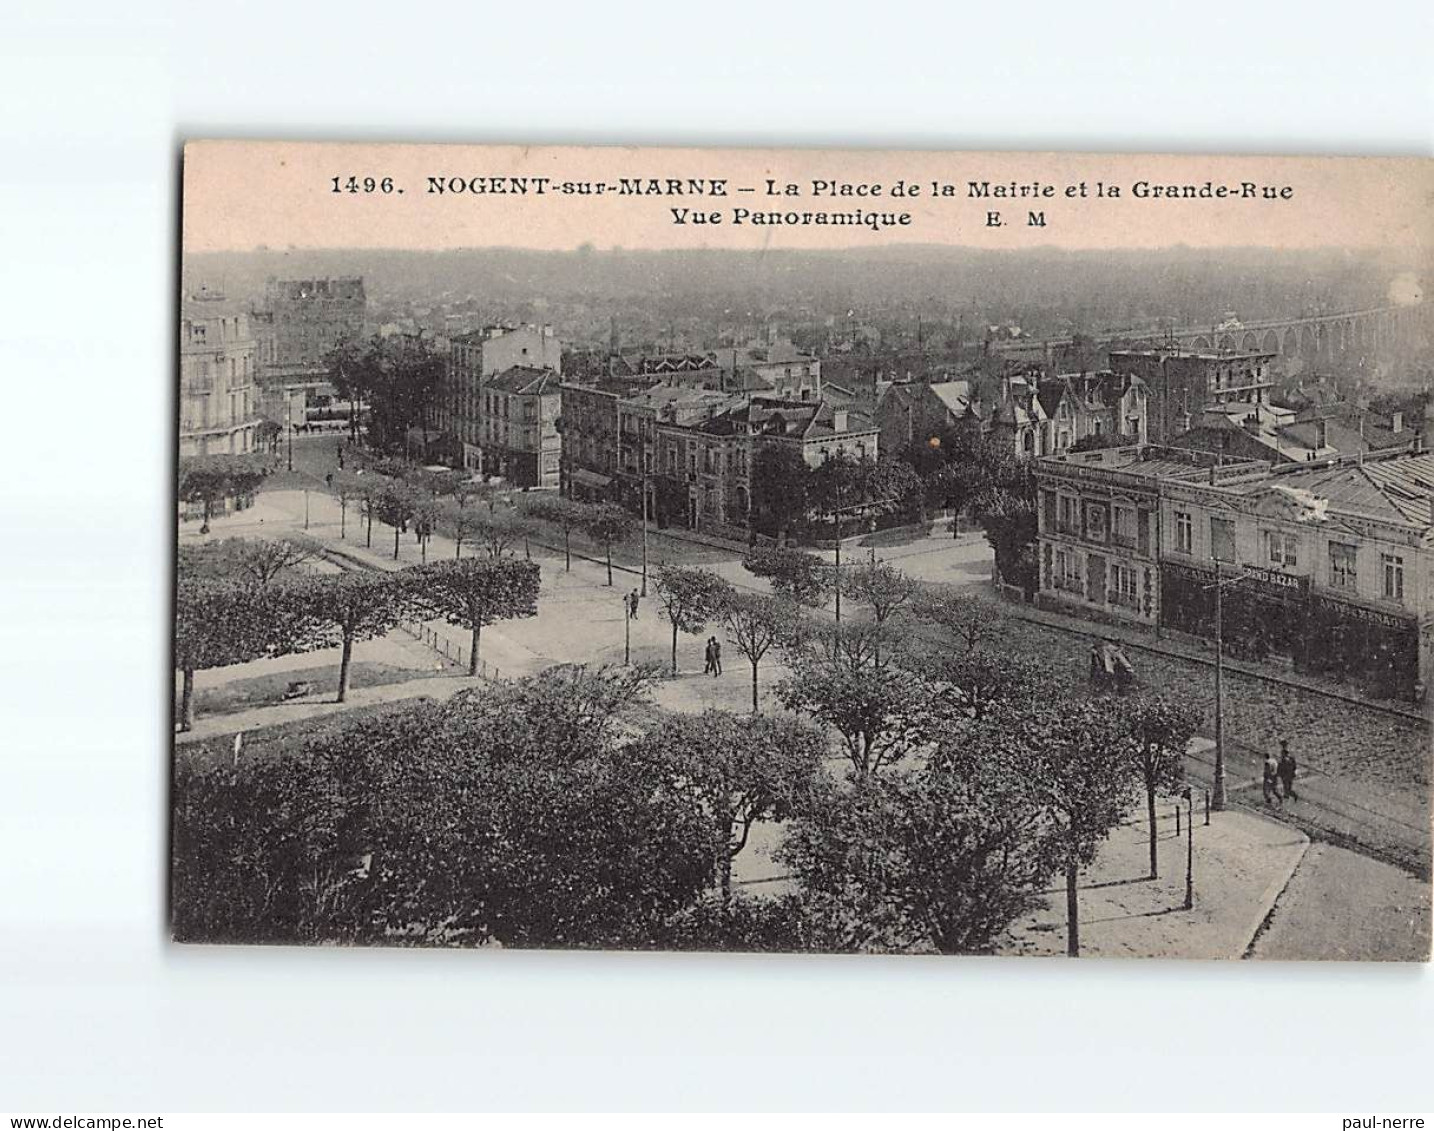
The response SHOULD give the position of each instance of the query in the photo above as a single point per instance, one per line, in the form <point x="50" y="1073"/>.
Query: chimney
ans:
<point x="839" y="420"/>
<point x="1397" y="424"/>
<point x="1321" y="434"/>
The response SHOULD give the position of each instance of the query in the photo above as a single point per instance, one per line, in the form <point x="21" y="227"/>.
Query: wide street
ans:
<point x="1351" y="754"/>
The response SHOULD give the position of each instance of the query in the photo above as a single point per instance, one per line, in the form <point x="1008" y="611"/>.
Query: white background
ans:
<point x="98" y="1011"/>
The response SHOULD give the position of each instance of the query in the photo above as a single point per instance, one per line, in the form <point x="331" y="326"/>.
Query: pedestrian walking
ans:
<point x="716" y="656"/>
<point x="707" y="656"/>
<point x="632" y="601"/>
<point x="1272" y="780"/>
<point x="1287" y="769"/>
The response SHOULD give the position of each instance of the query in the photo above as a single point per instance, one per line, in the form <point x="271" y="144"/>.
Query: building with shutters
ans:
<point x="1334" y="557"/>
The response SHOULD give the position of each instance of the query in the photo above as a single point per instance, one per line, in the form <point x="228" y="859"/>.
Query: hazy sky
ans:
<point x="241" y="195"/>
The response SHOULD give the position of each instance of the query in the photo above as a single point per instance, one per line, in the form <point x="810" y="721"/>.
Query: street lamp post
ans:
<point x="289" y="425"/>
<point x="644" y="523"/>
<point x="626" y="633"/>
<point x="1189" y="848"/>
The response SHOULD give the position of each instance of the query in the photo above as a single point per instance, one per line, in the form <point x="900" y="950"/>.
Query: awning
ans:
<point x="590" y="478"/>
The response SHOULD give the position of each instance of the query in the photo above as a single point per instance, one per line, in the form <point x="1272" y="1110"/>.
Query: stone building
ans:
<point x="475" y="357"/>
<point x="1183" y="384"/>
<point x="912" y="412"/>
<point x="218" y="406"/>
<point x="1333" y="557"/>
<point x="309" y="317"/>
<point x="519" y="438"/>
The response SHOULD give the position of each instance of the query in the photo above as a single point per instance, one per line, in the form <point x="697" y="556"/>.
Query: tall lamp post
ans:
<point x="838" y="551"/>
<point x="1189" y="797"/>
<point x="644" y="522"/>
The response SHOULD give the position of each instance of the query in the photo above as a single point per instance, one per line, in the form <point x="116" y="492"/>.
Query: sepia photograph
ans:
<point x="803" y="551"/>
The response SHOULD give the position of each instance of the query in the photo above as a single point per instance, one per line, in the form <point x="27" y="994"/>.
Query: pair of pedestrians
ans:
<point x="1279" y="776"/>
<point x="714" y="657"/>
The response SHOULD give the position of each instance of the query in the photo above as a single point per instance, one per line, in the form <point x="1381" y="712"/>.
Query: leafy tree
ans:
<point x="210" y="480"/>
<point x="425" y="521"/>
<point x="974" y="622"/>
<point x="467" y="491"/>
<point x="607" y="524"/>
<point x="780" y="478"/>
<point x="566" y="514"/>
<point x="894" y="486"/>
<point x="348" y="486"/>
<point x="983" y="680"/>
<point x="261" y="560"/>
<point x="1074" y="758"/>
<point x="462" y="523"/>
<point x="756" y="625"/>
<point x="405" y="826"/>
<point x="217" y="622"/>
<point x="499" y="532"/>
<point x="839" y="485"/>
<point x="880" y="714"/>
<point x="803" y="577"/>
<point x="347" y="607"/>
<point x="351" y="378"/>
<point x="1006" y="510"/>
<point x="400" y="376"/>
<point x="743" y="769"/>
<point x="853" y="645"/>
<point x="882" y="588"/>
<point x="472" y="593"/>
<point x="1160" y="729"/>
<point x="923" y="862"/>
<point x="571" y="711"/>
<point x="266" y="434"/>
<point x="690" y="597"/>
<point x="373" y="490"/>
<point x="396" y="506"/>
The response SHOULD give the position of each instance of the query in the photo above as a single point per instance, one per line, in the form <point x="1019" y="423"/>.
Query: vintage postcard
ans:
<point x="806" y="551"/>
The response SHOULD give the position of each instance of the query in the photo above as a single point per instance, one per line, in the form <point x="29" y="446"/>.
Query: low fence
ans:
<point x="426" y="634"/>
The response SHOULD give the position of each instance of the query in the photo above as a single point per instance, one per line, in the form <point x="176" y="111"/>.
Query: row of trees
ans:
<point x="559" y="810"/>
<point x="392" y="383"/>
<point x="787" y="492"/>
<point x="242" y="600"/>
<point x="922" y="664"/>
<point x="471" y="512"/>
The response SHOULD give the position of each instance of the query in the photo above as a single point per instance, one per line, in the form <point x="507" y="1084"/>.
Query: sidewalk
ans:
<point x="1242" y="864"/>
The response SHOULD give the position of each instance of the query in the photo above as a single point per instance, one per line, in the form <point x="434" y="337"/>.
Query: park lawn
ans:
<point x="267" y="690"/>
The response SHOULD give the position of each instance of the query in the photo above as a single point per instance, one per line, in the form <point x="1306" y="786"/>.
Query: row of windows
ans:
<point x="1282" y="549"/>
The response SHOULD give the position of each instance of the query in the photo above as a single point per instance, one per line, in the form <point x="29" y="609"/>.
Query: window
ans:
<point x="1393" y="576"/>
<point x="1341" y="565"/>
<point x="1283" y="548"/>
<point x="1067" y="572"/>
<point x="1095" y="522"/>
<point x="1122" y="526"/>
<point x="1126" y="587"/>
<point x="1222" y="539"/>
<point x="1063" y="440"/>
<point x="1067" y="523"/>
